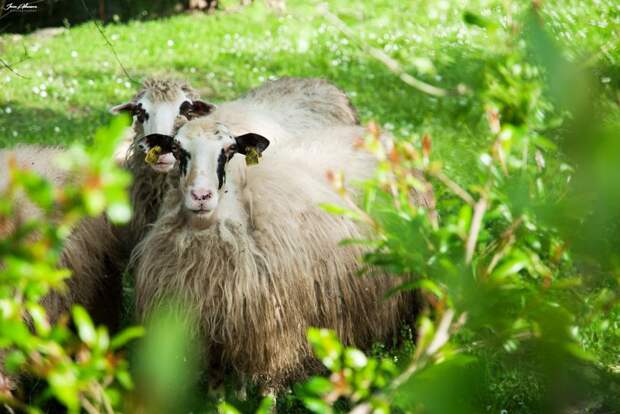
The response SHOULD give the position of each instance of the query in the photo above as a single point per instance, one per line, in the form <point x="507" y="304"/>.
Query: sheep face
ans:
<point x="204" y="157"/>
<point x="159" y="116"/>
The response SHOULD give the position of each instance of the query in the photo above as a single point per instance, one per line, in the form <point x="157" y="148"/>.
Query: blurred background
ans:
<point x="511" y="109"/>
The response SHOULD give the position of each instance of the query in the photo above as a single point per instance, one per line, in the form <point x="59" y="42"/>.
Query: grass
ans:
<point x="61" y="92"/>
<point x="69" y="81"/>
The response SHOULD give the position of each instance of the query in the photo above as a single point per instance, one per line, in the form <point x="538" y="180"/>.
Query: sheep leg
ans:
<point x="271" y="393"/>
<point x="242" y="392"/>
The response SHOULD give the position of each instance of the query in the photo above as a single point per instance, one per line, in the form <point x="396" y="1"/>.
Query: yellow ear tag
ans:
<point x="251" y="156"/>
<point x="153" y="155"/>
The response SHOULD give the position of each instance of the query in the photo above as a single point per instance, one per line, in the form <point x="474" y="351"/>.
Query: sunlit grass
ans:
<point x="61" y="92"/>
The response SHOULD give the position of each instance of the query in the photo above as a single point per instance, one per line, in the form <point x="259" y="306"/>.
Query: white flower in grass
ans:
<point x="486" y="159"/>
<point x="8" y="110"/>
<point x="74" y="54"/>
<point x="56" y="129"/>
<point x="303" y="45"/>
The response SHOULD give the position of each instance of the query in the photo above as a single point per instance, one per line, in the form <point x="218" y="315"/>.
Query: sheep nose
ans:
<point x="201" y="194"/>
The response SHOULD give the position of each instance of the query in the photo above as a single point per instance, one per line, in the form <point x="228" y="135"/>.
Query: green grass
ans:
<point x="68" y="82"/>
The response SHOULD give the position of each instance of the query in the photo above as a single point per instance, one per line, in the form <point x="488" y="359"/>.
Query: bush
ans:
<point x="81" y="369"/>
<point x="521" y="263"/>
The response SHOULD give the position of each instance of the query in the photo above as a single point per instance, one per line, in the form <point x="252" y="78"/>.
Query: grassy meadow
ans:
<point x="62" y="90"/>
<point x="59" y="87"/>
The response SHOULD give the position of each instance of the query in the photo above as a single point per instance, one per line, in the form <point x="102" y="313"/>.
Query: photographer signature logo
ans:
<point x="20" y="7"/>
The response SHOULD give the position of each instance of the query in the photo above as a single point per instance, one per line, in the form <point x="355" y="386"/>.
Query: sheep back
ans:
<point x="305" y="103"/>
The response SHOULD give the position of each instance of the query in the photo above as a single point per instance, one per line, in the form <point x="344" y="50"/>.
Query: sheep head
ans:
<point x="204" y="151"/>
<point x="158" y="109"/>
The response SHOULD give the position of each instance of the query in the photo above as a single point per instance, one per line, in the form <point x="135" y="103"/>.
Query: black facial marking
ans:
<point x="183" y="157"/>
<point x="140" y="113"/>
<point x="221" y="172"/>
<point x="168" y="144"/>
<point x="222" y="159"/>
<point x="185" y="109"/>
<point x="165" y="142"/>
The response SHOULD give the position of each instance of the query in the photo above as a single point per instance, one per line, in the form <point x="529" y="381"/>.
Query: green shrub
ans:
<point x="521" y="263"/>
<point x="83" y="370"/>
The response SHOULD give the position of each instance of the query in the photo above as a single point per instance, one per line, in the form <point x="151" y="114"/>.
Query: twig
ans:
<point x="384" y="58"/>
<point x="10" y="67"/>
<point x="476" y="222"/>
<point x="88" y="406"/>
<point x="9" y="402"/>
<point x="507" y="239"/>
<point x="105" y="38"/>
<point x="456" y="189"/>
<point x="441" y="337"/>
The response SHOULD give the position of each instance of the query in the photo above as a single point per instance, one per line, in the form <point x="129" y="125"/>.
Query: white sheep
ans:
<point x="250" y="255"/>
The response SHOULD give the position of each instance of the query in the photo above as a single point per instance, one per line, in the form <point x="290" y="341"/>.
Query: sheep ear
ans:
<point x="202" y="108"/>
<point x="124" y="107"/>
<point x="246" y="142"/>
<point x="195" y="109"/>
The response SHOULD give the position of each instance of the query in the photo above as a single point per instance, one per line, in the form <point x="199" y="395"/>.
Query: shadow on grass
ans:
<point x="34" y="125"/>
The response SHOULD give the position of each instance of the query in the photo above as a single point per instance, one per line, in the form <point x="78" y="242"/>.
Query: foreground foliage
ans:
<point x="523" y="261"/>
<point x="82" y="369"/>
<point x="520" y="271"/>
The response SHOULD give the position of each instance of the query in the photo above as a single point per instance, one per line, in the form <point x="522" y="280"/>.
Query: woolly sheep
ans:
<point x="248" y="252"/>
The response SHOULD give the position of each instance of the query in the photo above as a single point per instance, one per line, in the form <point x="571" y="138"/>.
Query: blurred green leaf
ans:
<point x="85" y="327"/>
<point x="127" y="335"/>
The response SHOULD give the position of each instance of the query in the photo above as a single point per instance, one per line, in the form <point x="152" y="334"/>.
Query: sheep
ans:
<point x="251" y="257"/>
